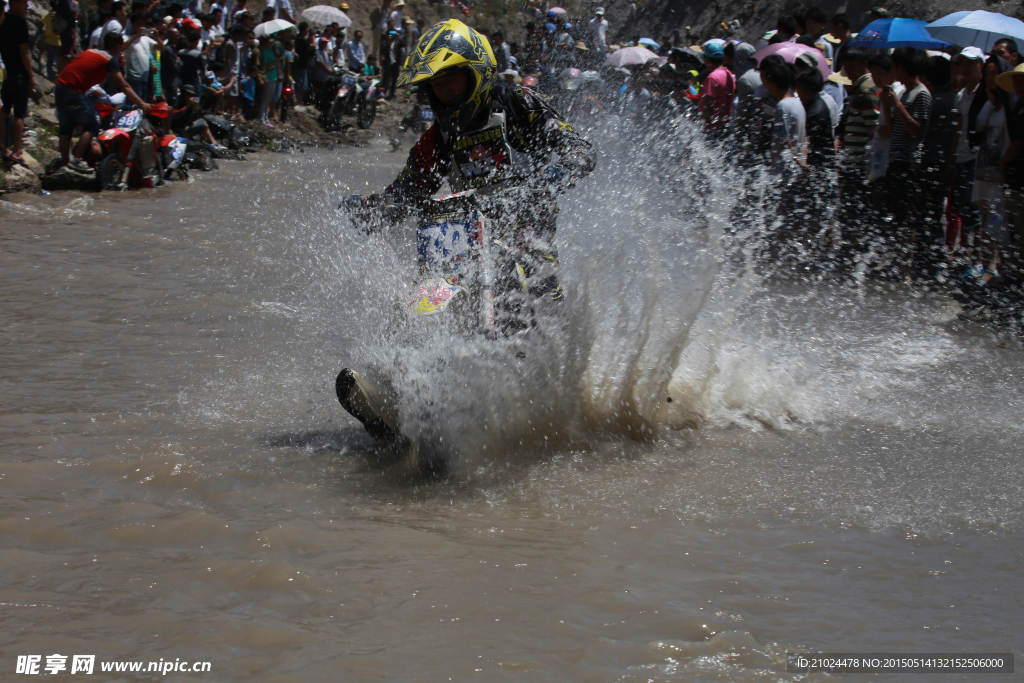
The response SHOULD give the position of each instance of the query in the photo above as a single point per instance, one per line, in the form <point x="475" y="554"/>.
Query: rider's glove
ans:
<point x="554" y="174"/>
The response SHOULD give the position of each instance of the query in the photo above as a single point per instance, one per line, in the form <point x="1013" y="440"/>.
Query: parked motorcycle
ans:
<point x="367" y="97"/>
<point x="336" y="97"/>
<point x="130" y="154"/>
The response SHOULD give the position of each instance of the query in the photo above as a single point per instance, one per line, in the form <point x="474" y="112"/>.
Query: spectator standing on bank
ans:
<point x="717" y="91"/>
<point x="379" y="18"/>
<point x="65" y="24"/>
<point x="392" y="57"/>
<point x="911" y="113"/>
<point x="396" y="15"/>
<point x="52" y="41"/>
<point x="969" y="102"/>
<point x="355" y="53"/>
<point x="15" y="50"/>
<point x="138" y="54"/>
<point x="599" y="31"/>
<point x="936" y="145"/>
<point x="861" y="124"/>
<point x="1012" y="165"/>
<point x="303" y="60"/>
<point x="116" y="22"/>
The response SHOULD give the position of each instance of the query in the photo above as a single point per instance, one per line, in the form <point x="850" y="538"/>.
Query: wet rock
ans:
<point x="47" y="116"/>
<point x="20" y="179"/>
<point x="67" y="178"/>
<point x="32" y="163"/>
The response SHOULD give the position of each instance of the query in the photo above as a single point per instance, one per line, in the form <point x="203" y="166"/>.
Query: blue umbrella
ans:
<point x="885" y="33"/>
<point x="651" y="43"/>
<point x="978" y="29"/>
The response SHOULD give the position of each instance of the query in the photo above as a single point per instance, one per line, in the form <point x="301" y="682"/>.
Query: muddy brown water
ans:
<point x="179" y="482"/>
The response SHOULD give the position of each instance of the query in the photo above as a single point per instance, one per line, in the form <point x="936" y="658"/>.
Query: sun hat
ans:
<point x="714" y="50"/>
<point x="840" y="78"/>
<point x="1005" y="79"/>
<point x="580" y="45"/>
<point x="971" y="53"/>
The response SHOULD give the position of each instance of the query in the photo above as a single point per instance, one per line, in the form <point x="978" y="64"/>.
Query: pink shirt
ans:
<point x="717" y="93"/>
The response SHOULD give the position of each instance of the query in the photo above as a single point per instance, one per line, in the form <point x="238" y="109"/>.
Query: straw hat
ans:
<point x="1005" y="79"/>
<point x="580" y="45"/>
<point x="840" y="78"/>
<point x="831" y="38"/>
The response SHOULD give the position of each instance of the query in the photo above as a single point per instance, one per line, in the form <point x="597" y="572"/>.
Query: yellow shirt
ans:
<point x="51" y="37"/>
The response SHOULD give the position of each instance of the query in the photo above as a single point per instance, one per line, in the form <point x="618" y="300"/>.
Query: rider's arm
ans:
<point x="537" y="129"/>
<point x="425" y="169"/>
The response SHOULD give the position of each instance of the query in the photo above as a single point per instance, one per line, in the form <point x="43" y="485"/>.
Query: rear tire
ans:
<point x="367" y="112"/>
<point x="109" y="173"/>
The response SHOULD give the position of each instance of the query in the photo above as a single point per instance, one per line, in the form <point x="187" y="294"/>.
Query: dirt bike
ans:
<point x="131" y="154"/>
<point x="477" y="271"/>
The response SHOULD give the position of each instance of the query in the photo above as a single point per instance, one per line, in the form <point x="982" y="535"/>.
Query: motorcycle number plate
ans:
<point x="348" y="80"/>
<point x="129" y="120"/>
<point x="444" y="247"/>
<point x="432" y="296"/>
<point x="426" y="115"/>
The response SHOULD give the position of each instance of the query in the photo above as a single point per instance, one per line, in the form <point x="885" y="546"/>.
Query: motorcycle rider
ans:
<point x="485" y="132"/>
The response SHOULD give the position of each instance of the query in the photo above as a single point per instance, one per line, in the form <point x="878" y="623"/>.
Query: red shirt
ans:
<point x="88" y="69"/>
<point x="717" y="93"/>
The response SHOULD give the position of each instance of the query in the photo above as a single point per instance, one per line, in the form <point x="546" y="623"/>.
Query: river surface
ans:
<point x="840" y="468"/>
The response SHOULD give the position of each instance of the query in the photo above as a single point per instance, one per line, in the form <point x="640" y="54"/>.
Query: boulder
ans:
<point x="44" y="86"/>
<point x="32" y="163"/>
<point x="66" y="178"/>
<point x="20" y="179"/>
<point x="46" y="116"/>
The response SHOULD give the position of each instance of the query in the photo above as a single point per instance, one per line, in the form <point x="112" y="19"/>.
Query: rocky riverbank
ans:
<point x="38" y="174"/>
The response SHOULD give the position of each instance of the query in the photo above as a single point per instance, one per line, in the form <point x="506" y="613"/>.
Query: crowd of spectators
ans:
<point x="905" y="163"/>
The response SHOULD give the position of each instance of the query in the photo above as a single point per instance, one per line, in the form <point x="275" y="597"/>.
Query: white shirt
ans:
<point x="112" y="26"/>
<point x="94" y="38"/>
<point x="964" y="99"/>
<point x="280" y="5"/>
<point x="136" y="58"/>
<point x="599" y="29"/>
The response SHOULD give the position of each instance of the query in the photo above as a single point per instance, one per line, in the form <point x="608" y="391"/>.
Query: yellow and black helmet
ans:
<point x="445" y="47"/>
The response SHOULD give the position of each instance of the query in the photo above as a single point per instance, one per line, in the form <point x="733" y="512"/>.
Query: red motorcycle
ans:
<point x="131" y="153"/>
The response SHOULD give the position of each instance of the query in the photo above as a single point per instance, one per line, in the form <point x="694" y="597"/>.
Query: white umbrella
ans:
<point x="325" y="14"/>
<point x="629" y="55"/>
<point x="978" y="29"/>
<point x="275" y="26"/>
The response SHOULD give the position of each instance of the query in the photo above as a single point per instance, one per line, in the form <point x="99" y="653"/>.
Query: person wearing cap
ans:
<point x="1012" y="167"/>
<point x="396" y="15"/>
<point x="581" y="58"/>
<point x="969" y="102"/>
<point x="392" y="57"/>
<point x="717" y="91"/>
<point x="598" y="27"/>
<point x="876" y="13"/>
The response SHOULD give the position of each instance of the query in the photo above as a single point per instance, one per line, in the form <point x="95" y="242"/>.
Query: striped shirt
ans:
<point x="904" y="147"/>
<point x="860" y="121"/>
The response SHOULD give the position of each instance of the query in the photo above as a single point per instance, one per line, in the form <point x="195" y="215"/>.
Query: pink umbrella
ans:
<point x="629" y="55"/>
<point x="790" y="51"/>
<point x="557" y="10"/>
